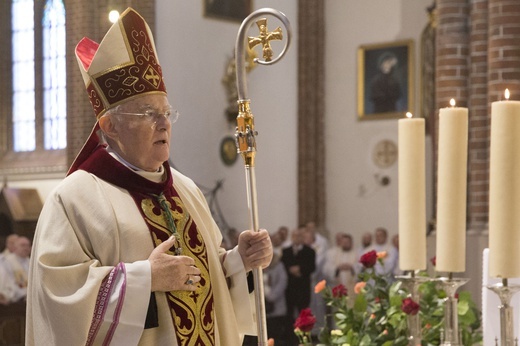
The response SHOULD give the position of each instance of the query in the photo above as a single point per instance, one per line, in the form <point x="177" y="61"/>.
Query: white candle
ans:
<point x="451" y="189"/>
<point x="504" y="190"/>
<point x="412" y="194"/>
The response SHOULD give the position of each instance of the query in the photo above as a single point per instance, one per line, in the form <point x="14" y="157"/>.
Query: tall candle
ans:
<point x="504" y="190"/>
<point x="412" y="194"/>
<point x="451" y="189"/>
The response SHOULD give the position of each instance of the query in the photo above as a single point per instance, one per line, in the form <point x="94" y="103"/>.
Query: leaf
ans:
<point x="401" y="341"/>
<point x="396" y="301"/>
<point x="394" y="288"/>
<point x="365" y="341"/>
<point x="340" y="316"/>
<point x="360" y="304"/>
<point x="462" y="308"/>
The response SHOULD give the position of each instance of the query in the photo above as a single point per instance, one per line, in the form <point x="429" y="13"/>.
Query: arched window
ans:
<point x="34" y="116"/>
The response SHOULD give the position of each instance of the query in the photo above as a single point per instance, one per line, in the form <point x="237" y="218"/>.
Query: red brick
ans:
<point x="452" y="61"/>
<point x="512" y="52"/>
<point x="513" y="7"/>
<point x="511" y="30"/>
<point x="479" y="36"/>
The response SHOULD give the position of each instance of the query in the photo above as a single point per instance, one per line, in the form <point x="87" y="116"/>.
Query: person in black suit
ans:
<point x="299" y="261"/>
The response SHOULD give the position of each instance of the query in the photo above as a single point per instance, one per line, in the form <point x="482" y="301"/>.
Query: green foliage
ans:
<point x="374" y="316"/>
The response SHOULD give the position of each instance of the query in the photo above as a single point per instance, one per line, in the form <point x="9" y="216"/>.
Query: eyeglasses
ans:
<point x="152" y="115"/>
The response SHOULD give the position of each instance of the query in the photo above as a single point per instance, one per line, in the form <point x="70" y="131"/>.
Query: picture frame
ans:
<point x="233" y="10"/>
<point x="385" y="80"/>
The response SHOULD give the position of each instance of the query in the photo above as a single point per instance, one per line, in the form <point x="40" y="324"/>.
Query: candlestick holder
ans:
<point x="411" y="283"/>
<point x="451" y="336"/>
<point x="505" y="293"/>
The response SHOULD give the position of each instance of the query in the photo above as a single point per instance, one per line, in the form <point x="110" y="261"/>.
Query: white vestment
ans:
<point x="335" y="257"/>
<point x="88" y="229"/>
<point x="13" y="274"/>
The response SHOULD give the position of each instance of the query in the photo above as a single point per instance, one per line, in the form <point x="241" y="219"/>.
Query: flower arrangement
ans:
<point x="377" y="313"/>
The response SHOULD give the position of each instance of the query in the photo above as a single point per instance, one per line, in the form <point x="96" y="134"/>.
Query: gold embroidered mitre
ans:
<point x="124" y="65"/>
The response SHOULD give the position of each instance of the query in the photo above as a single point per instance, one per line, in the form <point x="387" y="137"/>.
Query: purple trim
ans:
<point x="119" y="307"/>
<point x="102" y="301"/>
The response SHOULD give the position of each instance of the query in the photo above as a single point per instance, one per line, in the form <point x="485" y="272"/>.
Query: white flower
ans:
<point x="336" y="332"/>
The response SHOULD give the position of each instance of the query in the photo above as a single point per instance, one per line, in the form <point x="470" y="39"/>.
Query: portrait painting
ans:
<point x="385" y="80"/>
<point x="234" y="10"/>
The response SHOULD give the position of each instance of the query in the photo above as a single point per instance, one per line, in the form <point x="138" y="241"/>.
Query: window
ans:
<point x="33" y="109"/>
<point x="54" y="76"/>
<point x="23" y="75"/>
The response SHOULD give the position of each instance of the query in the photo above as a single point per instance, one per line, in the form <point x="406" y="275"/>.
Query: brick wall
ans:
<point x="477" y="57"/>
<point x="451" y="60"/>
<point x="478" y="146"/>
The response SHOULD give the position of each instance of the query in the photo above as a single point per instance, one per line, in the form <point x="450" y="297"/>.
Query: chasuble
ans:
<point x="90" y="280"/>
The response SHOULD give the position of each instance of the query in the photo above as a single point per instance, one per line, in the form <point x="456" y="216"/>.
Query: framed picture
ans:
<point x="235" y="10"/>
<point x="385" y="80"/>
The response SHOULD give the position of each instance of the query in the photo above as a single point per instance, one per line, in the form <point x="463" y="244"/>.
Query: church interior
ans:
<point x="323" y="154"/>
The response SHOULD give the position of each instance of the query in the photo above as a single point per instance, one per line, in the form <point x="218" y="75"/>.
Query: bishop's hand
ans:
<point x="172" y="273"/>
<point x="255" y="248"/>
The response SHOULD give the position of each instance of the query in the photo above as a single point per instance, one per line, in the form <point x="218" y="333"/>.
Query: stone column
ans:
<point x="311" y="112"/>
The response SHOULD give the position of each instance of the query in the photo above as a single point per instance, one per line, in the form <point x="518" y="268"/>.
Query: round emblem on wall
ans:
<point x="385" y="153"/>
<point x="228" y="150"/>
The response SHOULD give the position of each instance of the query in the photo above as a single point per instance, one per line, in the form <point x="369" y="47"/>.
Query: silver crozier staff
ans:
<point x="245" y="130"/>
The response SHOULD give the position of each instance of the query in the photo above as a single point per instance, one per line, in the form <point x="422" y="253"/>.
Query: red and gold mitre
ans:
<point x="124" y="65"/>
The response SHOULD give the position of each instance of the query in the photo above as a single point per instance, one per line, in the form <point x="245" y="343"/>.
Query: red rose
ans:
<point x="305" y="321"/>
<point x="339" y="291"/>
<point x="410" y="307"/>
<point x="369" y="259"/>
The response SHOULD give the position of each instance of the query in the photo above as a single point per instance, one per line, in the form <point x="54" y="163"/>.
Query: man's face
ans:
<point x="283" y="233"/>
<point x="23" y="247"/>
<point x="11" y="242"/>
<point x="380" y="237"/>
<point x="276" y="239"/>
<point x="346" y="243"/>
<point x="144" y="143"/>
<point x="367" y="239"/>
<point x="297" y="236"/>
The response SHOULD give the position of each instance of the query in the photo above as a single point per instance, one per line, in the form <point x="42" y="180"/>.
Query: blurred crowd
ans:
<point x="302" y="258"/>
<point x="14" y="269"/>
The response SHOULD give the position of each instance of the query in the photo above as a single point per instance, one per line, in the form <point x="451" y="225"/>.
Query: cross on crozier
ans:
<point x="264" y="38"/>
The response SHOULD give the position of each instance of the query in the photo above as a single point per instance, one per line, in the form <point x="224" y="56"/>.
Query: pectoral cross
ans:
<point x="264" y="38"/>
